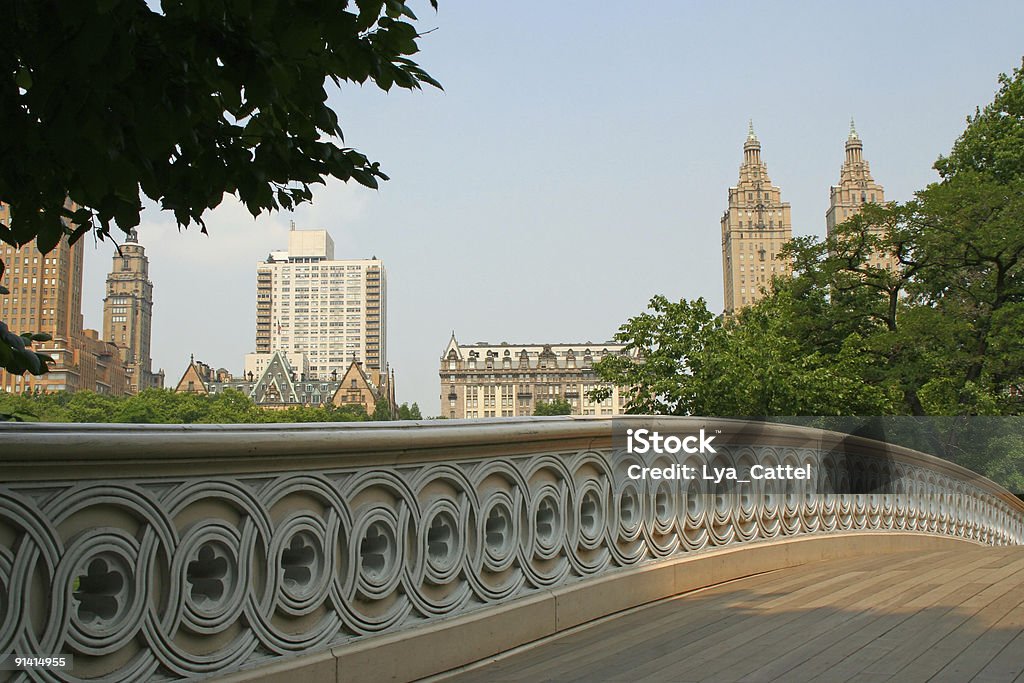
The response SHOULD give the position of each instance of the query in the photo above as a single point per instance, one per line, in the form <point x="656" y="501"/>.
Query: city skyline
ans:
<point x="520" y="165"/>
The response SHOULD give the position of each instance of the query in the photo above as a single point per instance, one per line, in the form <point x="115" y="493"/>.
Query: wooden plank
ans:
<point x="882" y="637"/>
<point x="1005" y="666"/>
<point x="906" y="616"/>
<point x="820" y="628"/>
<point x="713" y="651"/>
<point x="987" y="646"/>
<point x="811" y="637"/>
<point x="587" y="646"/>
<point x="977" y="615"/>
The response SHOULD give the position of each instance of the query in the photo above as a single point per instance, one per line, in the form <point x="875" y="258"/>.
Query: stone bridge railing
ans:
<point x="178" y="552"/>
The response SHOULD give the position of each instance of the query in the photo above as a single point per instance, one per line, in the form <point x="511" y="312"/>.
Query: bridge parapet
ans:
<point x="153" y="552"/>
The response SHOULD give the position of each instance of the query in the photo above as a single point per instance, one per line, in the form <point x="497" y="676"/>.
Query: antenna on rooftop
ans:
<point x="292" y="224"/>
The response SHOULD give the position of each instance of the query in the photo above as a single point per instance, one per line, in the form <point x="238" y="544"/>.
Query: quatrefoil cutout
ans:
<point x="496" y="528"/>
<point x="97" y="592"/>
<point x="545" y="519"/>
<point x="588" y="513"/>
<point x="439" y="537"/>
<point x="298" y="561"/>
<point x="373" y="548"/>
<point x="207" y="575"/>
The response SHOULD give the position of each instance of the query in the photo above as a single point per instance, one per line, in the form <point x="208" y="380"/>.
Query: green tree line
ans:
<point x="163" y="406"/>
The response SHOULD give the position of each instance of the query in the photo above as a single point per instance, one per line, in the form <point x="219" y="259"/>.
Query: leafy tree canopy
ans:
<point x="183" y="101"/>
<point x="407" y="412"/>
<point x="162" y="406"/>
<point x="382" y="410"/>
<point x="556" y="406"/>
<point x="695" y="363"/>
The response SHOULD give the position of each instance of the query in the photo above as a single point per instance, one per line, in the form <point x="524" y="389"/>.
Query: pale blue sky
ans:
<point x="579" y="159"/>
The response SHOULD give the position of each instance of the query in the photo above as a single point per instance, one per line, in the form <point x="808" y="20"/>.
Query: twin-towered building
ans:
<point x="757" y="222"/>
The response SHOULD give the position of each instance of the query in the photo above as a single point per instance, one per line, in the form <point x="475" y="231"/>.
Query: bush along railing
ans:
<point x="152" y="553"/>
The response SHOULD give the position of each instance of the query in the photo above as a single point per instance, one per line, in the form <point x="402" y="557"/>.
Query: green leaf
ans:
<point x="23" y="79"/>
<point x="50" y="232"/>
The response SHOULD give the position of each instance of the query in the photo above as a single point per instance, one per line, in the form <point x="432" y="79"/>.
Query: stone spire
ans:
<point x="752" y="147"/>
<point x="856" y="187"/>
<point x="754" y="227"/>
<point x="854" y="148"/>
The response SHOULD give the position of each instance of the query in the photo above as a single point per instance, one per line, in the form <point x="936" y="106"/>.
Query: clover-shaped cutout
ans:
<point x="545" y="519"/>
<point x="206" y="574"/>
<point x="439" y="537"/>
<point x="627" y="508"/>
<point x="588" y="511"/>
<point x="297" y="560"/>
<point x="97" y="591"/>
<point x="372" y="549"/>
<point x="496" y="527"/>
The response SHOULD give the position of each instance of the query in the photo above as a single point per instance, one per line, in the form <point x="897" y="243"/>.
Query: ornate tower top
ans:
<point x="133" y="236"/>
<point x="854" y="148"/>
<point x="856" y="186"/>
<point x="754" y="227"/>
<point x="752" y="147"/>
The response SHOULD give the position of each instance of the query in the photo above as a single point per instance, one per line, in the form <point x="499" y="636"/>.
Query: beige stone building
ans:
<point x="754" y="228"/>
<point x="506" y="380"/>
<point x="855" y="189"/>
<point x="128" y="313"/>
<point x="45" y="295"/>
<point x="333" y="311"/>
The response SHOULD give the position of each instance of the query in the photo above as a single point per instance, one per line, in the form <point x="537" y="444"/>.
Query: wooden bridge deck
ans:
<point x="944" y="616"/>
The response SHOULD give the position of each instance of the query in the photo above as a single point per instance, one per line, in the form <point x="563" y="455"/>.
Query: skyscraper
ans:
<point x="754" y="228"/>
<point x="46" y="296"/>
<point x="332" y="311"/>
<point x="128" y="313"/>
<point x="855" y="189"/>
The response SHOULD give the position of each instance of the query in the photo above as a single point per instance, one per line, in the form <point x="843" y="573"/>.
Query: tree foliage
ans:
<point x="162" y="406"/>
<point x="695" y="363"/>
<point x="556" y="406"/>
<point x="407" y="412"/>
<point x="382" y="411"/>
<point x="183" y="101"/>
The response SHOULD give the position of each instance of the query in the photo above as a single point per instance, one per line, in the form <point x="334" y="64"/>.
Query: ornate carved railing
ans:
<point x="151" y="552"/>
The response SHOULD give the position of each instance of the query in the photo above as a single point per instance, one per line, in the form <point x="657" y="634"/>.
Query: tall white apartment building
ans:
<point x="332" y="311"/>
